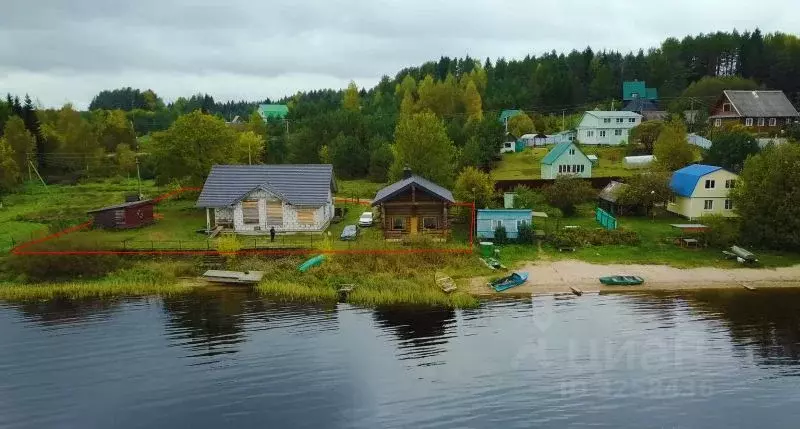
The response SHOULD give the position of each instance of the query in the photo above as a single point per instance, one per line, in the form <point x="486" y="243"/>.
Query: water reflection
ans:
<point x="420" y="333"/>
<point x="768" y="322"/>
<point x="62" y="310"/>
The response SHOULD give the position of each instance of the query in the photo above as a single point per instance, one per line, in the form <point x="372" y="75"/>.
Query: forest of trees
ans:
<point x="451" y="104"/>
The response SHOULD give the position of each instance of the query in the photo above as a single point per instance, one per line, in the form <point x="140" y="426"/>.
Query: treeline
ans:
<point x="450" y="103"/>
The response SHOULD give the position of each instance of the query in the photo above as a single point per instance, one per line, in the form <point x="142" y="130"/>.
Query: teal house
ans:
<point x="632" y="90"/>
<point x="275" y="111"/>
<point x="489" y="219"/>
<point x="566" y="159"/>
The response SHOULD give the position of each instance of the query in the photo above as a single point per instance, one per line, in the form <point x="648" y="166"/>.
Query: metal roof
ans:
<point x="298" y="184"/>
<point x="685" y="180"/>
<point x="508" y="113"/>
<point x="613" y="114"/>
<point x="559" y="150"/>
<point x="420" y="182"/>
<point x="761" y="104"/>
<point x="122" y="206"/>
<point x="273" y="110"/>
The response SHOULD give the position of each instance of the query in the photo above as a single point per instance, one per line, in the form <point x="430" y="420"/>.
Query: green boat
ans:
<point x="621" y="280"/>
<point x="313" y="262"/>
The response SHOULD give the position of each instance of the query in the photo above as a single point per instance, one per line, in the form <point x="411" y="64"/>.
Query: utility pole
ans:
<point x="138" y="178"/>
<point x="692" y="115"/>
<point x="286" y="121"/>
<point x="249" y="157"/>
<point x="30" y="177"/>
<point x="562" y="120"/>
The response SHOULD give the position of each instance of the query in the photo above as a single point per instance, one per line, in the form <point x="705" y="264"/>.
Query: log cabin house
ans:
<point x="762" y="110"/>
<point x="412" y="206"/>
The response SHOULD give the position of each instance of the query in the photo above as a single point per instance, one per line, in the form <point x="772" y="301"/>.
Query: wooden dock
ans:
<point x="233" y="277"/>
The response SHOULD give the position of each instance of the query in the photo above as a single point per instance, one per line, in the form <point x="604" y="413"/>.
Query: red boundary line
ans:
<point x="19" y="249"/>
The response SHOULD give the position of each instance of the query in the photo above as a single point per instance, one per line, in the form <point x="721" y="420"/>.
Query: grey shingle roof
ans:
<point x="299" y="184"/>
<point x="761" y="104"/>
<point x="421" y="182"/>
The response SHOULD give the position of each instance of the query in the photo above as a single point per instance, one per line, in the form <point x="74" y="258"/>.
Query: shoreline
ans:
<point x="556" y="277"/>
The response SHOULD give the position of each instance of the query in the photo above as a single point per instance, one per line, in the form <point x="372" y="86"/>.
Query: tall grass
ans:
<point x="146" y="278"/>
<point x="379" y="280"/>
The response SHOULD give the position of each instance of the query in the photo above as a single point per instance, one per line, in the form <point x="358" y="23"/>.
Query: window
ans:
<point x="728" y="205"/>
<point x="602" y="133"/>
<point x="521" y="222"/>
<point x="617" y="132"/>
<point x="606" y="120"/>
<point x="250" y="212"/>
<point x="572" y="151"/>
<point x="560" y="169"/>
<point x="589" y="133"/>
<point x="708" y="205"/>
<point x="582" y="168"/>
<point x="497" y="223"/>
<point x="672" y="199"/>
<point x="717" y="122"/>
<point x="620" y="120"/>
<point x="710" y="184"/>
<point x="305" y="216"/>
<point x="726" y="107"/>
<point x="773" y="122"/>
<point x="632" y="120"/>
<point x="398" y="223"/>
<point x="760" y="122"/>
<point x="274" y="213"/>
<point x="730" y="184"/>
<point x="430" y="222"/>
<point x="748" y="122"/>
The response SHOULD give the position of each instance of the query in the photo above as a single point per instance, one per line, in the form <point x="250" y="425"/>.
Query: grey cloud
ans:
<point x="68" y="48"/>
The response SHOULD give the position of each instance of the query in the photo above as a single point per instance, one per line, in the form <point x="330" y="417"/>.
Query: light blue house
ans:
<point x="566" y="159"/>
<point x="489" y="219"/>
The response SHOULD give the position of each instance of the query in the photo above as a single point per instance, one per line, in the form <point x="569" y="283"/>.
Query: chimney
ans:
<point x="406" y="172"/>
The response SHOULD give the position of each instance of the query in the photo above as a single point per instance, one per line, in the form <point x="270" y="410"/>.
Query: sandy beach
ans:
<point x="556" y="277"/>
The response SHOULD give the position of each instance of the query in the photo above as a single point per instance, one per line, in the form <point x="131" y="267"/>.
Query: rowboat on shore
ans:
<point x="621" y="280"/>
<point x="515" y="279"/>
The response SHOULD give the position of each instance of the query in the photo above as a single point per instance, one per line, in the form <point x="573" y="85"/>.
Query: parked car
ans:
<point x="350" y="232"/>
<point x="365" y="219"/>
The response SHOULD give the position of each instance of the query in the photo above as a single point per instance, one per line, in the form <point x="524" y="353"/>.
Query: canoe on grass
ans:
<point x="508" y="282"/>
<point x="313" y="262"/>
<point x="621" y="280"/>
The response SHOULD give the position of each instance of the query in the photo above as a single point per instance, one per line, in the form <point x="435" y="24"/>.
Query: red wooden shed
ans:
<point x="124" y="216"/>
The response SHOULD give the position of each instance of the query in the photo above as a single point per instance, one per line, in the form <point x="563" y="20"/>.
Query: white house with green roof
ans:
<point x="566" y="159"/>
<point x="607" y="127"/>
<point x="276" y="111"/>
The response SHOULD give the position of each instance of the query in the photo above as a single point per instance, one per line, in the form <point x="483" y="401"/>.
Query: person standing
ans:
<point x="272" y="234"/>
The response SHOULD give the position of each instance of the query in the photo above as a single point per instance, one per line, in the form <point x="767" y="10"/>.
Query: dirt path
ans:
<point x="557" y="277"/>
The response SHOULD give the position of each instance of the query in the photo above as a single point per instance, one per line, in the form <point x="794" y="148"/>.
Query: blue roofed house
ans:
<point x="702" y="190"/>
<point x="487" y="221"/>
<point x="252" y="199"/>
<point x="566" y="159"/>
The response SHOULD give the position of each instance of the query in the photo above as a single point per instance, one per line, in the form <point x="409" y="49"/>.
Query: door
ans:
<point x="414" y="224"/>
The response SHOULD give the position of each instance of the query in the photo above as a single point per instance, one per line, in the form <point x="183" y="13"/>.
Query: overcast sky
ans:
<point x="69" y="50"/>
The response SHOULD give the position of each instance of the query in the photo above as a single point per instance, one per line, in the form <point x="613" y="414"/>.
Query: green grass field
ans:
<point x="527" y="164"/>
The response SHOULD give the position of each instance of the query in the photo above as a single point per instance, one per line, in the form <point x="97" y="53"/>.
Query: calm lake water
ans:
<point x="226" y="358"/>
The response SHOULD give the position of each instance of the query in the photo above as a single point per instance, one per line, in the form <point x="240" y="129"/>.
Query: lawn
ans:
<point x="656" y="246"/>
<point x="358" y="188"/>
<point x="37" y="210"/>
<point x="527" y="164"/>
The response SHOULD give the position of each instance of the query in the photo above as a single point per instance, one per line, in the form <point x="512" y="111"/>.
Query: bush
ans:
<point x="722" y="231"/>
<point x="525" y="232"/>
<point x="594" y="237"/>
<point x="500" y="235"/>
